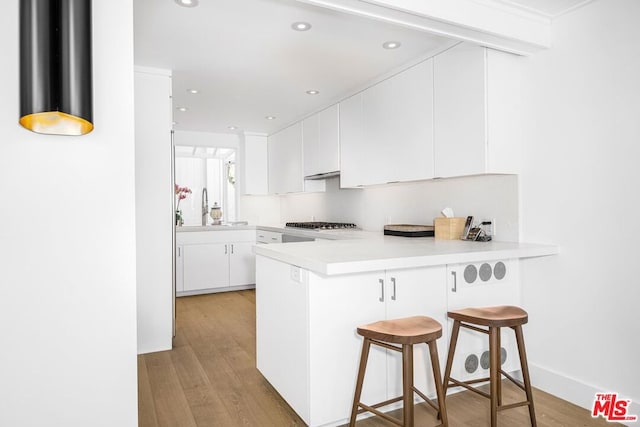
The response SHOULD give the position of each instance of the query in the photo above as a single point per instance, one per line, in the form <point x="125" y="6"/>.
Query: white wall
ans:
<point x="582" y="147"/>
<point x="154" y="207"/>
<point x="68" y="253"/>
<point x="489" y="196"/>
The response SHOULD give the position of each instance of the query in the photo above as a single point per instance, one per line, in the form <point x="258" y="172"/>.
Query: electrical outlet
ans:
<point x="295" y="274"/>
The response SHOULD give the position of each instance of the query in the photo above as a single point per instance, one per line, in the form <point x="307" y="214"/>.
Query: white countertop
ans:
<point x="225" y="227"/>
<point x="374" y="252"/>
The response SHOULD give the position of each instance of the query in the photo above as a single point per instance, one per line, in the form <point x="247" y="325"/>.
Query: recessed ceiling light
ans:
<point x="187" y="3"/>
<point x="301" y="26"/>
<point x="232" y="127"/>
<point x="391" y="45"/>
<point x="183" y="109"/>
<point x="313" y="92"/>
<point x="270" y="117"/>
<point x="193" y="91"/>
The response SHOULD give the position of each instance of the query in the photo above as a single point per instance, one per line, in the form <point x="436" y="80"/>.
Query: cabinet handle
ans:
<point x="393" y="282"/>
<point x="179" y="252"/>
<point x="231" y="249"/>
<point x="381" y="281"/>
<point x="455" y="282"/>
<point x="225" y="249"/>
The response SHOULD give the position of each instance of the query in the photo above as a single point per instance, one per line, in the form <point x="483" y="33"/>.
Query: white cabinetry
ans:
<point x="285" y="163"/>
<point x="476" y="111"/>
<point x="321" y="137"/>
<point x="482" y="284"/>
<point x="255" y="159"/>
<point x="320" y="314"/>
<point x="213" y="261"/>
<point x="386" y="131"/>
<point x="263" y="236"/>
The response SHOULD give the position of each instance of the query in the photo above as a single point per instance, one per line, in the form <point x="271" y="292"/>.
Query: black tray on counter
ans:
<point x="409" y="230"/>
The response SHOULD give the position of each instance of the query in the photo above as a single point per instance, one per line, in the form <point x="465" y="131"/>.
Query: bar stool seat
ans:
<point x="493" y="318"/>
<point x="404" y="332"/>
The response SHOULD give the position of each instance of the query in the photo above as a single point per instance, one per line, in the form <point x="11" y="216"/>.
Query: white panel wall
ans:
<point x="68" y="249"/>
<point x="579" y="190"/>
<point x="154" y="209"/>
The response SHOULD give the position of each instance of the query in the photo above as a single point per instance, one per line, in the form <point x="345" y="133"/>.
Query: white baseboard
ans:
<point x="572" y="390"/>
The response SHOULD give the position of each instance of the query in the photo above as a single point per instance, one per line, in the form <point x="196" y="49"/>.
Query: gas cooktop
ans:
<point x="318" y="225"/>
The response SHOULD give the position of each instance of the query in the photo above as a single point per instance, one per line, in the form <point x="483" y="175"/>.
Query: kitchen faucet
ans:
<point x="205" y="205"/>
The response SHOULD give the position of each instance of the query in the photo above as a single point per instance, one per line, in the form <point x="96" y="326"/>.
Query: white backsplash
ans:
<point x="485" y="197"/>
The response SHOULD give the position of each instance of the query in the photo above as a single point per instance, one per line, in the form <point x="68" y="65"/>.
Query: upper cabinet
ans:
<point x="286" y="163"/>
<point x="255" y="171"/>
<point x="285" y="160"/>
<point x="476" y="111"/>
<point x="386" y="131"/>
<point x="321" y="143"/>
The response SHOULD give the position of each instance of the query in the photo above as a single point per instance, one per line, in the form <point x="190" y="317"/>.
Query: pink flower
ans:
<point x="181" y="193"/>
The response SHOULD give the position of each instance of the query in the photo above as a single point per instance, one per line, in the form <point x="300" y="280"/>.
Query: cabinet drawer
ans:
<point x="263" y="236"/>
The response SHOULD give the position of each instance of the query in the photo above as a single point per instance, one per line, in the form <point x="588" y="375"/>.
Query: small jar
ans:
<point x="216" y="214"/>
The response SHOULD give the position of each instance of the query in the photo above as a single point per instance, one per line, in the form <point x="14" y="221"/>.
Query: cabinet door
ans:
<point x="206" y="266"/>
<point x="310" y="145"/>
<point x="255" y="160"/>
<point x="352" y="143"/>
<point x="179" y="268"/>
<point x="417" y="292"/>
<point x="337" y="306"/>
<point x="242" y="264"/>
<point x="379" y="134"/>
<point x="409" y="151"/>
<point x="285" y="160"/>
<point x="482" y="284"/>
<point x="459" y="111"/>
<point x="328" y="151"/>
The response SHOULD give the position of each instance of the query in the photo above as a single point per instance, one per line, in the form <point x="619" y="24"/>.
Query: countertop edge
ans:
<point x="523" y="250"/>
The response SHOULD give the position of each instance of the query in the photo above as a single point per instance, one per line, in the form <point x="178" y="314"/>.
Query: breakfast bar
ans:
<point x="311" y="296"/>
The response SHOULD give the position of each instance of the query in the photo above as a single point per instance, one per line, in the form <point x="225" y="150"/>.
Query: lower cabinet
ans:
<point x="213" y="261"/>
<point x="306" y="340"/>
<point x="315" y="369"/>
<point x="482" y="284"/>
<point x="338" y="305"/>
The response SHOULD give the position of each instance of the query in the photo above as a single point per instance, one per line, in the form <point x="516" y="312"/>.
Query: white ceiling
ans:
<point x="247" y="62"/>
<point x="549" y="8"/>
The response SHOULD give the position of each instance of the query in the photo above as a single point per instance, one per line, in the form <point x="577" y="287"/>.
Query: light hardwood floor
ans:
<point x="210" y="379"/>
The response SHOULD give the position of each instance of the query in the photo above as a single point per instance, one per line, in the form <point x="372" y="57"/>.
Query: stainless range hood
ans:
<point x="322" y="175"/>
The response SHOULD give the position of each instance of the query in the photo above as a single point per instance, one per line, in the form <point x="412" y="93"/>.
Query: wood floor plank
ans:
<point x="146" y="404"/>
<point x="172" y="409"/>
<point x="210" y="379"/>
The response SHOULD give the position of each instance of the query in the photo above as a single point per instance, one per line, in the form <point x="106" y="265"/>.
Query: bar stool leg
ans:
<point x="435" y="366"/>
<point x="407" y="385"/>
<point x="499" y="347"/>
<point x="494" y="372"/>
<point x="525" y="373"/>
<point x="366" y="345"/>
<point x="452" y="349"/>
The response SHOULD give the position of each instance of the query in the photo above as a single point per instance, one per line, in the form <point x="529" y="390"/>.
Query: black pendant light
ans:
<point x="55" y="66"/>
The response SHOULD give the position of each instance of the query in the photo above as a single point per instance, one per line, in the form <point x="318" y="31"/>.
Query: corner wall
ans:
<point x="68" y="252"/>
<point x="578" y="189"/>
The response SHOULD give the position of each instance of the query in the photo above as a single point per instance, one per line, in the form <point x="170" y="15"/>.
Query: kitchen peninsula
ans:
<point x="311" y="296"/>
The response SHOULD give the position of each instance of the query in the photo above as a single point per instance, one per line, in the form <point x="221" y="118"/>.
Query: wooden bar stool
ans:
<point x="405" y="332"/>
<point x="493" y="318"/>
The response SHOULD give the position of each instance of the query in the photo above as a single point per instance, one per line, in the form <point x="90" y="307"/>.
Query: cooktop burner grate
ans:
<point x="319" y="225"/>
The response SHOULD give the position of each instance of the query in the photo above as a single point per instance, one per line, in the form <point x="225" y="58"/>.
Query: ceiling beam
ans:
<point x="490" y="23"/>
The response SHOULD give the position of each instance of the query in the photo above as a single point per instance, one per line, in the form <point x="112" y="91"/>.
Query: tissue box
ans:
<point x="449" y="228"/>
